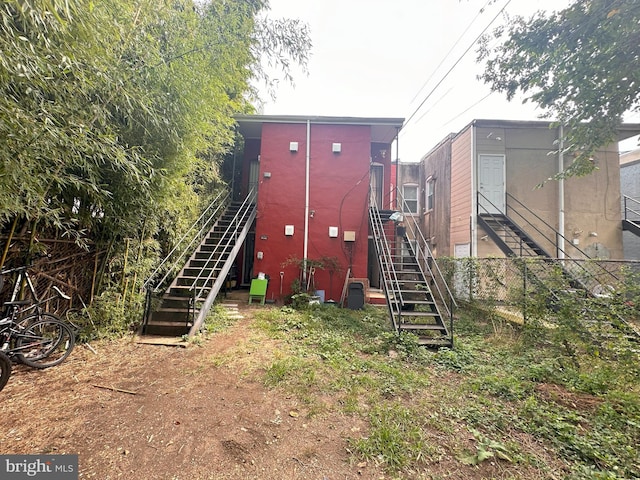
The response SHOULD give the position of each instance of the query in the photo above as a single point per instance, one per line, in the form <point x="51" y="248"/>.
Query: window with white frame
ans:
<point x="430" y="192"/>
<point x="410" y="196"/>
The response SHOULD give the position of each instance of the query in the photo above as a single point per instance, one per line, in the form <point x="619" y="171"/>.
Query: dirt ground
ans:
<point x="139" y="411"/>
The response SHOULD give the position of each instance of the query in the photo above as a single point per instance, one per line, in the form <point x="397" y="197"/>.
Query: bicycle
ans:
<point x="24" y="279"/>
<point x="41" y="340"/>
<point x="5" y="370"/>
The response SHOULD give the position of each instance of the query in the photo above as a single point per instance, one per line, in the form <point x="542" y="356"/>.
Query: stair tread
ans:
<point x="176" y="297"/>
<point x="181" y="287"/>
<point x="198" y="277"/>
<point x="421" y="326"/>
<point x="173" y="310"/>
<point x="435" y="342"/>
<point x="409" y="301"/>
<point x="168" y="323"/>
<point x="408" y="313"/>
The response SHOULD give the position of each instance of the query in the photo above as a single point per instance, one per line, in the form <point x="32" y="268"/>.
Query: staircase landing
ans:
<point x="376" y="297"/>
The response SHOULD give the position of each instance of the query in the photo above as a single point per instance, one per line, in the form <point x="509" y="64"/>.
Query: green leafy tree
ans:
<point x="108" y="108"/>
<point x="580" y="65"/>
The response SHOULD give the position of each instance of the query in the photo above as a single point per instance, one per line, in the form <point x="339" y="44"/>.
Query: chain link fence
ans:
<point x="526" y="289"/>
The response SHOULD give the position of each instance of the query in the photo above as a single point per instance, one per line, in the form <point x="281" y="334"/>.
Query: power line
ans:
<point x="469" y="108"/>
<point x="455" y="64"/>
<point x="434" y="104"/>
<point x="450" y="50"/>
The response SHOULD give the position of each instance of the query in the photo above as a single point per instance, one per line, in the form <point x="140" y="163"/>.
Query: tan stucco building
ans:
<point x="499" y="168"/>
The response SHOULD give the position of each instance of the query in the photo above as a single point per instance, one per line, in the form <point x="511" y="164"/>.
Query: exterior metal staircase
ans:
<point x="509" y="237"/>
<point x="562" y="275"/>
<point x="515" y="241"/>
<point x="418" y="298"/>
<point x="183" y="306"/>
<point x="631" y="220"/>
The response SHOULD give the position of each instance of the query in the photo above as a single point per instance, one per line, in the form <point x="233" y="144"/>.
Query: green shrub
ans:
<point x="108" y="317"/>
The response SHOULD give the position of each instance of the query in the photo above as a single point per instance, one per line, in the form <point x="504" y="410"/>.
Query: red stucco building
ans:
<point x="315" y="179"/>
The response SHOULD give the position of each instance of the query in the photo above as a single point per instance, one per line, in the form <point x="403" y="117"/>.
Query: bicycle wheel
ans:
<point x="5" y="370"/>
<point x="45" y="342"/>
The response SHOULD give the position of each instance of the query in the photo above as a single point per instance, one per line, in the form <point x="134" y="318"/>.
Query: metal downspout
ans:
<point x="474" y="194"/>
<point x="396" y="189"/>
<point x="306" y="206"/>
<point x="560" y="246"/>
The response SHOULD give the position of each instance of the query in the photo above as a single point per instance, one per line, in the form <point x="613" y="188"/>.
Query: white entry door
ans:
<point x="491" y="184"/>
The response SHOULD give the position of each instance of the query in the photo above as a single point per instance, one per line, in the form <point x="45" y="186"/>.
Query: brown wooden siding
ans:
<point x="460" y="189"/>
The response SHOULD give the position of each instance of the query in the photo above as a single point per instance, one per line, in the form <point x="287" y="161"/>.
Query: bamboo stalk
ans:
<point x="32" y="237"/>
<point x="94" y="277"/>
<point x="124" y="292"/>
<point x="8" y="244"/>
<point x="57" y="280"/>
<point x="124" y="266"/>
<point x="103" y="265"/>
<point x="138" y="255"/>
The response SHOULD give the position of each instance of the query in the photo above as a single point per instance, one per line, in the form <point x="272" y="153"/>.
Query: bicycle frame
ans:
<point x="10" y="328"/>
<point x="23" y="279"/>
<point x="28" y="333"/>
<point x="20" y="337"/>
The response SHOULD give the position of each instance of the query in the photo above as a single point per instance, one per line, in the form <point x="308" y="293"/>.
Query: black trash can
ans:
<point x="355" y="297"/>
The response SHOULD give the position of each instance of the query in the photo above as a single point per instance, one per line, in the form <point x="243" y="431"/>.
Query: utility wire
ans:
<point x="469" y="108"/>
<point x="450" y="50"/>
<point x="434" y="104"/>
<point x="456" y="64"/>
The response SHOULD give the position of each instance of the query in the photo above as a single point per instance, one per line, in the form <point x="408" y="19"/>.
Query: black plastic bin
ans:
<point x="355" y="297"/>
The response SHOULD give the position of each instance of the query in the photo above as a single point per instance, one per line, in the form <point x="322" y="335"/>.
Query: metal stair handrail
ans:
<point x="425" y="254"/>
<point x="242" y="220"/>
<point x="507" y="227"/>
<point x="238" y="219"/>
<point x="564" y="261"/>
<point x="559" y="235"/>
<point x="390" y="282"/>
<point x="635" y="210"/>
<point x="211" y="214"/>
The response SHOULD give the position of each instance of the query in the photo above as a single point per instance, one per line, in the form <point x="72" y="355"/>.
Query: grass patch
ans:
<point x="395" y="439"/>
<point x="517" y="401"/>
<point x="218" y="319"/>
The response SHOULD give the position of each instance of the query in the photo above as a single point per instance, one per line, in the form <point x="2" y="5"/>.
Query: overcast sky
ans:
<point x="383" y="58"/>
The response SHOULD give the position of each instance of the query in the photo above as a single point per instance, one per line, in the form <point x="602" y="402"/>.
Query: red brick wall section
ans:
<point x="338" y="197"/>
